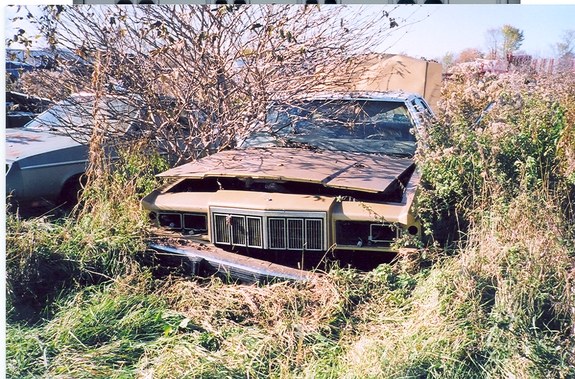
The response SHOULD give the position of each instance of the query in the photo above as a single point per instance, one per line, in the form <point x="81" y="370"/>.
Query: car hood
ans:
<point x="355" y="171"/>
<point x="22" y="143"/>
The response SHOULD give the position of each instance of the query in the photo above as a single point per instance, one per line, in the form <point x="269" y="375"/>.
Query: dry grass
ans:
<point x="247" y="331"/>
<point x="499" y="305"/>
<point x="500" y="308"/>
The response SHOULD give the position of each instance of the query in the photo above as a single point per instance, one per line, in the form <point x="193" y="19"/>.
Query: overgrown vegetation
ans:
<point x="491" y="296"/>
<point x="499" y="304"/>
<point x="48" y="258"/>
<point x="204" y="73"/>
<point x="498" y="136"/>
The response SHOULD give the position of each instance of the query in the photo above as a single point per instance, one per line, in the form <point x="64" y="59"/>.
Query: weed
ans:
<point x="99" y="241"/>
<point x="496" y="303"/>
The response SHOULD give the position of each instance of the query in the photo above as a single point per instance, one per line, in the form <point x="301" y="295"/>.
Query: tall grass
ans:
<point x="496" y="302"/>
<point x="501" y="308"/>
<point x="98" y="241"/>
<point x="501" y="304"/>
<point x="138" y="326"/>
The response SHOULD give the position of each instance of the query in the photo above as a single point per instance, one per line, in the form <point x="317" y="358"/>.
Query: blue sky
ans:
<point x="431" y="31"/>
<point x="455" y="27"/>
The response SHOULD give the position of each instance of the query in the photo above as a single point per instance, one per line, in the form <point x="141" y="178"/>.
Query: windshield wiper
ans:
<point x="290" y="143"/>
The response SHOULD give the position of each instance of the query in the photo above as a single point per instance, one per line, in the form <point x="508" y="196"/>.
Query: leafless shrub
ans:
<point x="206" y="73"/>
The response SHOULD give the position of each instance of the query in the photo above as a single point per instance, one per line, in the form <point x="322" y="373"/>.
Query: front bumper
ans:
<point x="230" y="266"/>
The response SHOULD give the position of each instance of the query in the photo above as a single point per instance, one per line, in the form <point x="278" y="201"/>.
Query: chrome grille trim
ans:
<point x="295" y="234"/>
<point x="313" y="230"/>
<point x="221" y="229"/>
<point x="238" y="230"/>
<point x="254" y="232"/>
<point x="274" y="230"/>
<point x="276" y="233"/>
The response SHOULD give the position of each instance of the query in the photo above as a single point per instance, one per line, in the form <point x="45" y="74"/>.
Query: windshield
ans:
<point x="369" y="126"/>
<point x="75" y="116"/>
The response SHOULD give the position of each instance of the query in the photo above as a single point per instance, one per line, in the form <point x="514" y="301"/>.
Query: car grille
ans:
<point x="269" y="230"/>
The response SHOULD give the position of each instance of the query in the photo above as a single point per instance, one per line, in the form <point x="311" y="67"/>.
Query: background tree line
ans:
<point x="504" y="42"/>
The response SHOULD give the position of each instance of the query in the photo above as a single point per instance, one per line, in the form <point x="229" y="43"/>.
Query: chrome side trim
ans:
<point x="53" y="165"/>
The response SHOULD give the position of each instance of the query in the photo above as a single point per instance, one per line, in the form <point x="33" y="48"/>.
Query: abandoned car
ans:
<point x="328" y="175"/>
<point x="15" y="69"/>
<point x="46" y="159"/>
<point x="22" y="108"/>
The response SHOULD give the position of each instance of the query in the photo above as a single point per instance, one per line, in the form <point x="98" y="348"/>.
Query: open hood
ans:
<point x="353" y="171"/>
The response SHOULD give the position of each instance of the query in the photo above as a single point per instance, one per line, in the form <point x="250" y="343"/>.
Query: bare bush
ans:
<point x="206" y="73"/>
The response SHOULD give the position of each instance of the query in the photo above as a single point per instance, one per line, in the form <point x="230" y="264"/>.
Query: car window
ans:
<point x="75" y="116"/>
<point x="424" y="112"/>
<point x="64" y="114"/>
<point x="371" y="126"/>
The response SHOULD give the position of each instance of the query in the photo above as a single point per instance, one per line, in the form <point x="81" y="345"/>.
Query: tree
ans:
<point x="565" y="51"/>
<point x="503" y="41"/>
<point x="206" y="73"/>
<point x="512" y="39"/>
<point x="447" y="60"/>
<point x="469" y="55"/>
<point x="566" y="45"/>
<point x="493" y="39"/>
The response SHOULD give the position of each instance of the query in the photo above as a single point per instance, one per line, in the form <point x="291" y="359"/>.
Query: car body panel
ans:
<point x="332" y="169"/>
<point x="23" y="143"/>
<point x="22" y="108"/>
<point x="46" y="158"/>
<point x="40" y="164"/>
<point x="14" y="69"/>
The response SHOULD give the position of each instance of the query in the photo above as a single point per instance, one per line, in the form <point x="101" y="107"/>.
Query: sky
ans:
<point x="452" y="28"/>
<point x="431" y="31"/>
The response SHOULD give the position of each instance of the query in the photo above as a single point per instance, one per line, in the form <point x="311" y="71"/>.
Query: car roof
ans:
<point x="361" y="95"/>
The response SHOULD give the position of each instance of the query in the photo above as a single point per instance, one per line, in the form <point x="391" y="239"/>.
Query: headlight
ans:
<point x="193" y="222"/>
<point x="170" y="220"/>
<point x="363" y="234"/>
